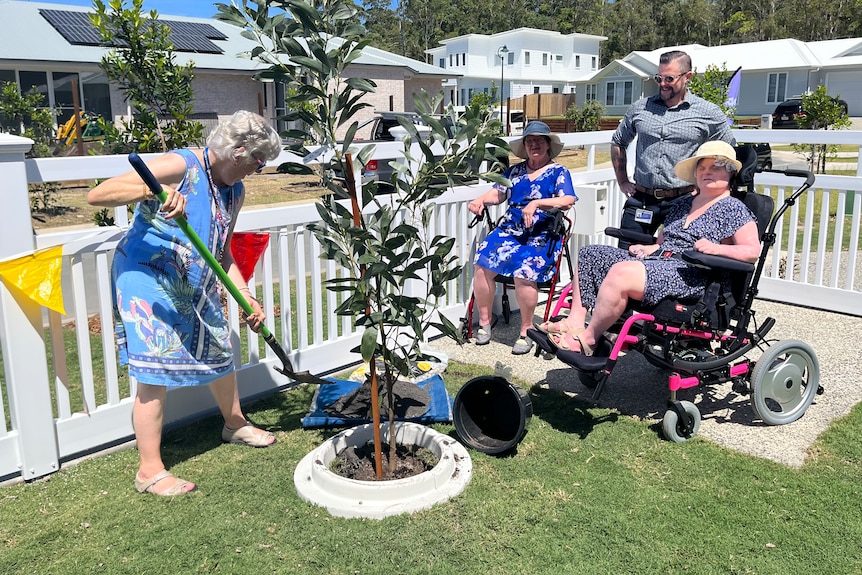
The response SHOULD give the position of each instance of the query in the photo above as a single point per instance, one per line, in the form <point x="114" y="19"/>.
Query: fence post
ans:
<point x="21" y="326"/>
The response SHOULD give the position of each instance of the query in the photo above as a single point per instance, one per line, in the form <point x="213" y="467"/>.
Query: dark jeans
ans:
<point x="636" y="222"/>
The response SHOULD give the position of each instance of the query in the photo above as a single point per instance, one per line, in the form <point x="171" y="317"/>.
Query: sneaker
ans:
<point x="483" y="335"/>
<point x="522" y="346"/>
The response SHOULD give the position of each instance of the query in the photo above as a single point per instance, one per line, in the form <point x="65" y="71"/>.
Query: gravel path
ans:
<point x="639" y="390"/>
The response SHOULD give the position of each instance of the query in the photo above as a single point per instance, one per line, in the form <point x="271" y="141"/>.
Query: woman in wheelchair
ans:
<point x="709" y="221"/>
<point x="522" y="245"/>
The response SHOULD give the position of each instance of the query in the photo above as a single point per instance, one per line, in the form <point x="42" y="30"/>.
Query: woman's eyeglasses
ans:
<point x="667" y="79"/>
<point x="261" y="164"/>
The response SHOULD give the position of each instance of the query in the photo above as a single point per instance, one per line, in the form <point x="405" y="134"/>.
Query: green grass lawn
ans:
<point x="588" y="491"/>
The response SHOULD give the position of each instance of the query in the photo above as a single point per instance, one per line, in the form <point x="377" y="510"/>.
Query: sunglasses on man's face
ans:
<point x="667" y="79"/>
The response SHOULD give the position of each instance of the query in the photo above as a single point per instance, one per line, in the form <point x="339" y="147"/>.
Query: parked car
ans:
<point x="764" y="156"/>
<point x="787" y="112"/>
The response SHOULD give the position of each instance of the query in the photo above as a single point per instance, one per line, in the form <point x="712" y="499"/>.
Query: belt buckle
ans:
<point x="660" y="194"/>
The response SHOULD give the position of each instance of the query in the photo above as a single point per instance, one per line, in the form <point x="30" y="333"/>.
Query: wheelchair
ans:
<point x="562" y="232"/>
<point x="704" y="341"/>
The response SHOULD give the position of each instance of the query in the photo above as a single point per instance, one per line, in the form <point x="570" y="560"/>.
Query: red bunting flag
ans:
<point x="246" y="248"/>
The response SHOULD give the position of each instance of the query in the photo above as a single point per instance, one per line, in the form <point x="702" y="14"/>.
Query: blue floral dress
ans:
<point x="515" y="251"/>
<point x="666" y="276"/>
<point x="170" y="325"/>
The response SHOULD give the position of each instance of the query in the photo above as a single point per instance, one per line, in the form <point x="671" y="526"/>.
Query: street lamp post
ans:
<point x="501" y="53"/>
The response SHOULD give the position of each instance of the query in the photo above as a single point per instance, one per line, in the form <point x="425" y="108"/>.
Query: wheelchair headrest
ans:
<point x="747" y="155"/>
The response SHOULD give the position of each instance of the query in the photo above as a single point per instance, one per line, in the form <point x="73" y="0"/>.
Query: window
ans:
<point x="555" y="90"/>
<point x="511" y="58"/>
<point x="544" y="59"/>
<point x="97" y="94"/>
<point x="35" y="82"/>
<point x="558" y="57"/>
<point x="593" y="63"/>
<point x="442" y="62"/>
<point x="572" y="90"/>
<point x="526" y="58"/>
<point x="618" y="93"/>
<point x="450" y="60"/>
<point x="536" y="90"/>
<point x="64" y="99"/>
<point x="463" y="58"/>
<point x="777" y="88"/>
<point x="578" y="61"/>
<point x="7" y="76"/>
<point x="590" y="92"/>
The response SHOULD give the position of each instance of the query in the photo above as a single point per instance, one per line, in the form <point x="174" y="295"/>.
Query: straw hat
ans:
<point x="687" y="169"/>
<point x="537" y="128"/>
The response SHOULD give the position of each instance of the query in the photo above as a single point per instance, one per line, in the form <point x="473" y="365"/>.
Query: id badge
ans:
<point x="643" y="216"/>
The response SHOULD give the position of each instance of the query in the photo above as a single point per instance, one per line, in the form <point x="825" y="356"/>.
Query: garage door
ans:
<point x="849" y="86"/>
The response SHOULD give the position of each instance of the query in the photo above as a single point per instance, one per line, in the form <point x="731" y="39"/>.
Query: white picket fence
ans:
<point x="41" y="426"/>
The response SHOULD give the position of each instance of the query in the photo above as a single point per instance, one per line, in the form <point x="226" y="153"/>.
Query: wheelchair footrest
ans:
<point x="581" y="362"/>
<point x="573" y="358"/>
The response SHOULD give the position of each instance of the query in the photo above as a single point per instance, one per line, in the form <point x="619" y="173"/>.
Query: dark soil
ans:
<point x="358" y="462"/>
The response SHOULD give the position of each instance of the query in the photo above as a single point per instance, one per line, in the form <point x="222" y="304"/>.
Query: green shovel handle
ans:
<point x="154" y="185"/>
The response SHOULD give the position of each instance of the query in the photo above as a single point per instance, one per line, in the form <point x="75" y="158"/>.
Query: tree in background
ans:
<point x="142" y="64"/>
<point x="820" y="112"/>
<point x="712" y="86"/>
<point x="26" y="115"/>
<point x="587" y="118"/>
<point x="415" y="25"/>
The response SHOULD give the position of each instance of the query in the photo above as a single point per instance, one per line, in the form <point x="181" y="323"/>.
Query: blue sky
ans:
<point x="199" y="8"/>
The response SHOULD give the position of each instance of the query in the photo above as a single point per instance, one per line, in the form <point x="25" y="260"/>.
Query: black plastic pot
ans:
<point x="491" y="414"/>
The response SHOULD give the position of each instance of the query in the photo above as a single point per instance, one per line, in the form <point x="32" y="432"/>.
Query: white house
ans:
<point x="522" y="61"/>
<point x="772" y="71"/>
<point x="50" y="45"/>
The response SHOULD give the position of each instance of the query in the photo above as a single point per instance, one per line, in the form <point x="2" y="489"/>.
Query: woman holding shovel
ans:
<point x="171" y="327"/>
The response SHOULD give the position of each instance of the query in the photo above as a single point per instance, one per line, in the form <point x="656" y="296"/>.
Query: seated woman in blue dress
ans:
<point x="709" y="221"/>
<point x="519" y="247"/>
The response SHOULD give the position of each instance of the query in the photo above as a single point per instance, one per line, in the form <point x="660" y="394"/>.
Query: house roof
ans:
<point x="518" y="32"/>
<point x="34" y="39"/>
<point x="784" y="54"/>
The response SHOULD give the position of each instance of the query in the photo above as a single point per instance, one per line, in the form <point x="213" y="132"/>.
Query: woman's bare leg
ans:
<point x="527" y="294"/>
<point x="147" y="418"/>
<point x="625" y="280"/>
<point x="484" y="288"/>
<point x="227" y="397"/>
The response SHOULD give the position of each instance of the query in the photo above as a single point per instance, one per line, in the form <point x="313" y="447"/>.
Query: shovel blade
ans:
<point x="303" y="377"/>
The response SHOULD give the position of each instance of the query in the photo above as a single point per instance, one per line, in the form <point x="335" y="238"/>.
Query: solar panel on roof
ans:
<point x="77" y="29"/>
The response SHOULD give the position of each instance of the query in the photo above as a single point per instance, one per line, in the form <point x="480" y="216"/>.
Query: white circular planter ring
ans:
<point x="343" y="497"/>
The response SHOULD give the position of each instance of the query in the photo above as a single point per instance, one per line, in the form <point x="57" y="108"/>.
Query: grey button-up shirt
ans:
<point x="669" y="135"/>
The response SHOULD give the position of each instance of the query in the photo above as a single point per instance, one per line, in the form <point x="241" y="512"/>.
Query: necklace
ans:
<point x="222" y="213"/>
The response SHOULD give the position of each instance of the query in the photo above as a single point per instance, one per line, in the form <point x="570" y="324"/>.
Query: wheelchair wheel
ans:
<point x="674" y="428"/>
<point x="784" y="382"/>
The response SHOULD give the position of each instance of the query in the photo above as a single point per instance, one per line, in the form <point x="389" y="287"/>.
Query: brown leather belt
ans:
<point x="664" y="193"/>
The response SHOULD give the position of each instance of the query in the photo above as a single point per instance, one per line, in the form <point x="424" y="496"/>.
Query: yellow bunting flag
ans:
<point x="37" y="276"/>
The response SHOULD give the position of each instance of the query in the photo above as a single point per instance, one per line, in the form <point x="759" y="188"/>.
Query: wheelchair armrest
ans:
<point x="630" y="236"/>
<point x="716" y="262"/>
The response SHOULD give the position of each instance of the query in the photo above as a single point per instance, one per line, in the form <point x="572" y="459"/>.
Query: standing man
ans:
<point x="669" y="127"/>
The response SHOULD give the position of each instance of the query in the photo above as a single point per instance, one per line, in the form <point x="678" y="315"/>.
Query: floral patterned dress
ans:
<point x="512" y="249"/>
<point x="170" y="325"/>
<point x="666" y="276"/>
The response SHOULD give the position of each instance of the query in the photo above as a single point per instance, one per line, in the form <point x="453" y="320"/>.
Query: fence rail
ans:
<point x="63" y="393"/>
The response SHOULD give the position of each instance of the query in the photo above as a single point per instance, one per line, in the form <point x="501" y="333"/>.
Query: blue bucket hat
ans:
<point x="537" y="128"/>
